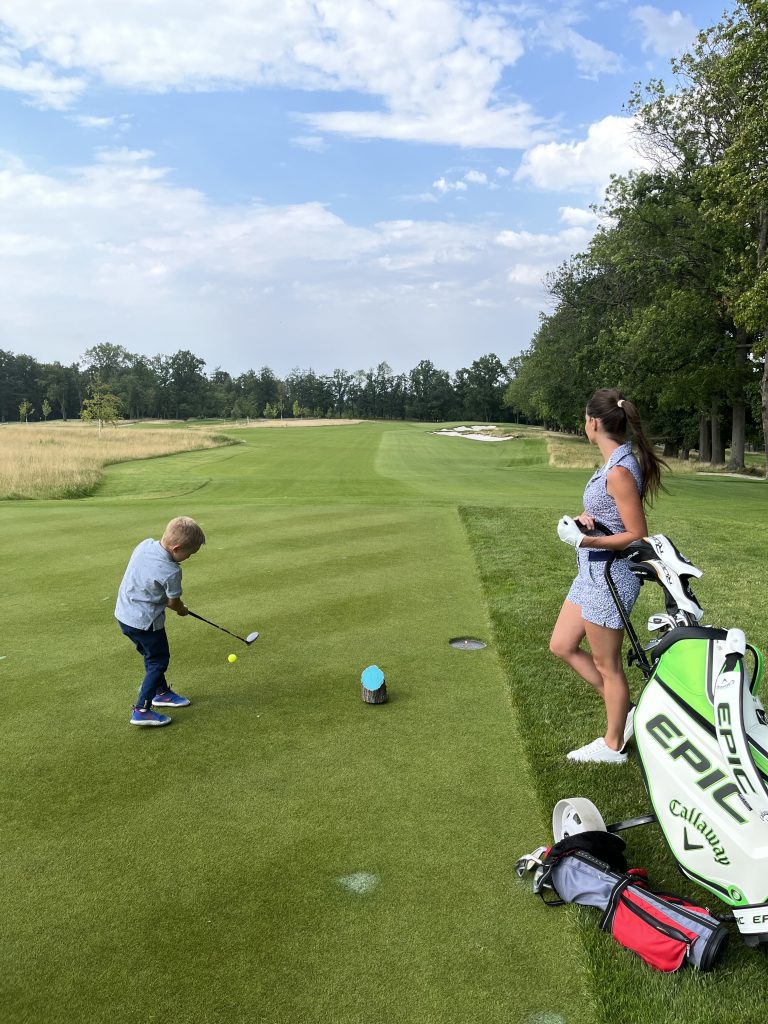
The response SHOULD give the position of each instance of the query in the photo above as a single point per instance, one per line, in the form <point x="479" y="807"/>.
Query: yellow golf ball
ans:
<point x="232" y="658"/>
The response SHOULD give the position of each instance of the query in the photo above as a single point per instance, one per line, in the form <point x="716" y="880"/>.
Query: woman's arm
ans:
<point x="622" y="487"/>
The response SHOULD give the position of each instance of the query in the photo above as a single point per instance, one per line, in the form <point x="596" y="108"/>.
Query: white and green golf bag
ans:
<point x="702" y="740"/>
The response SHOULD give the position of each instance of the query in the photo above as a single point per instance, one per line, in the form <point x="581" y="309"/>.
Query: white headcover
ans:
<point x="671" y="583"/>
<point x="670" y="555"/>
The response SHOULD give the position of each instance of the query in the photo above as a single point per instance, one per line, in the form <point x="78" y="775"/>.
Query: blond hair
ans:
<point x="183" y="532"/>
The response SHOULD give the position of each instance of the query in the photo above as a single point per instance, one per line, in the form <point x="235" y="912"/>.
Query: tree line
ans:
<point x="109" y="377"/>
<point x="670" y="300"/>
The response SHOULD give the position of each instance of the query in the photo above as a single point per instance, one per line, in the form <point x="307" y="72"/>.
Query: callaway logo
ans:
<point x="687" y="845"/>
<point x="726" y="680"/>
<point x="698" y="824"/>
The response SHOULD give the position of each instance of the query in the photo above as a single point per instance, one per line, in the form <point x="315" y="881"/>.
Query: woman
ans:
<point x="615" y="497"/>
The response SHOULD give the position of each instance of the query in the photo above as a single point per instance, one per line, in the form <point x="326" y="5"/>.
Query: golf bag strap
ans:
<point x="733" y="704"/>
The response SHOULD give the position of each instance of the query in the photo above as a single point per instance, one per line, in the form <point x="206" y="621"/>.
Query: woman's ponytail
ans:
<point x="650" y="463"/>
<point x="616" y="413"/>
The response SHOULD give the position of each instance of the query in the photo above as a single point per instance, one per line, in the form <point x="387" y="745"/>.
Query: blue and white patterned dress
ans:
<point x="589" y="589"/>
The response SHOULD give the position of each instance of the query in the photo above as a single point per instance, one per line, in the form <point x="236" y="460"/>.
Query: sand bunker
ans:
<point x="475" y="433"/>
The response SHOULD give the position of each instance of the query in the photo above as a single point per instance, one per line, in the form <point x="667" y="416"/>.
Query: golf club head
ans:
<point x="251" y="637"/>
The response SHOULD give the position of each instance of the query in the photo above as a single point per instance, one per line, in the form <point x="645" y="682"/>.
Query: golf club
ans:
<point x="245" y="639"/>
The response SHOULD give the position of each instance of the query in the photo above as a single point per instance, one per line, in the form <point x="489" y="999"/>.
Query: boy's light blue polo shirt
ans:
<point x="151" y="579"/>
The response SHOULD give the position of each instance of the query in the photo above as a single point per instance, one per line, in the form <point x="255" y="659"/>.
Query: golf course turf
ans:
<point x="284" y="853"/>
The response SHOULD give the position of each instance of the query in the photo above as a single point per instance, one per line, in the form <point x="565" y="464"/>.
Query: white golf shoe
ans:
<point x="597" y="752"/>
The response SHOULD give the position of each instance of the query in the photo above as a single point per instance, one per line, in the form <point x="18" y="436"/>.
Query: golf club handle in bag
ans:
<point x="735" y="711"/>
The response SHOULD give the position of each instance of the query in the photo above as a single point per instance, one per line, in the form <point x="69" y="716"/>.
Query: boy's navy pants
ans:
<point x="152" y="645"/>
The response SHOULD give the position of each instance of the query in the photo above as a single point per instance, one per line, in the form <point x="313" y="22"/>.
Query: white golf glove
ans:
<point x="568" y="531"/>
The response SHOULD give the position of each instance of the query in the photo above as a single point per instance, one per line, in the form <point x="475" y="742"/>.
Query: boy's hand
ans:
<point x="178" y="606"/>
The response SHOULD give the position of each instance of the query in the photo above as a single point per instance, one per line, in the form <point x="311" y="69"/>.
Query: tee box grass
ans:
<point x="284" y="852"/>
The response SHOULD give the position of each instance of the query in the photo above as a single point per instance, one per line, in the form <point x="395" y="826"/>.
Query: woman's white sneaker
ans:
<point x="598" y="752"/>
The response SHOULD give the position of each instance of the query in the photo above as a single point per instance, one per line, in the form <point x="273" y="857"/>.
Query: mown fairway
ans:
<point x="283" y="852"/>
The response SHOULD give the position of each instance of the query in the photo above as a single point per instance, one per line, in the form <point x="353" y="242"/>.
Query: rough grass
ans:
<point x="719" y="524"/>
<point x="68" y="460"/>
<point x="572" y="452"/>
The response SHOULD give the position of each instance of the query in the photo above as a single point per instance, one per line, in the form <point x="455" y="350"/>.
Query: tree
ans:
<point x="63" y="386"/>
<point x="46" y="409"/>
<point x="106" y="361"/>
<point x="714" y="126"/>
<point x="25" y="410"/>
<point x="186" y="384"/>
<point x="677" y="338"/>
<point x="101" y="405"/>
<point x="429" y="392"/>
<point x="485" y="383"/>
<point x="338" y="386"/>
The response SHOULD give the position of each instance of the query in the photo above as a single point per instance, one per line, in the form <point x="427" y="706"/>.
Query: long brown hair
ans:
<point x="616" y="418"/>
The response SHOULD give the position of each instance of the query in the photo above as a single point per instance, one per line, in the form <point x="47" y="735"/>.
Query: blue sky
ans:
<point x="316" y="184"/>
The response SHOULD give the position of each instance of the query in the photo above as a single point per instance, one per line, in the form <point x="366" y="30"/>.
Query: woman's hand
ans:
<point x="568" y="531"/>
<point x="586" y="520"/>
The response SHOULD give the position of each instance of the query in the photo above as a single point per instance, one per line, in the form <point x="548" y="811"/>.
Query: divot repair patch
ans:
<point x="359" y="883"/>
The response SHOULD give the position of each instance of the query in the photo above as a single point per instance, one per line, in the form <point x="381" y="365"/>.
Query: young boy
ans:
<point x="152" y="583"/>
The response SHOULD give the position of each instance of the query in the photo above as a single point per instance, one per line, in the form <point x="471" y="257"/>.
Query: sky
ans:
<point x="309" y="183"/>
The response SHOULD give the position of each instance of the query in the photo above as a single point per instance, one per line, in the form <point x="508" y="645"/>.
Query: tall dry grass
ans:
<point x="567" y="452"/>
<point x="39" y="460"/>
<point x="571" y="453"/>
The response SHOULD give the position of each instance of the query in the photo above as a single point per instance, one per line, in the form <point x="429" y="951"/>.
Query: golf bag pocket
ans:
<point x="665" y="931"/>
<point x="583" y="868"/>
<point x="581" y="878"/>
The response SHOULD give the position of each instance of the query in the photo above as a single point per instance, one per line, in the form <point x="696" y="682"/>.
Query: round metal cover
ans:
<point x="467" y="643"/>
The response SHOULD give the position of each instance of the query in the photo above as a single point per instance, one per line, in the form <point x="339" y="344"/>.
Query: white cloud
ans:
<point x="469" y="125"/>
<point x="120" y="123"/>
<point x="116" y="250"/>
<point x="312" y="143"/>
<point x="419" y="197"/>
<point x="555" y="246"/>
<point x="556" y="33"/>
<point x="575" y="216"/>
<point x="664" y="34"/>
<point x="444" y="186"/>
<point x="585" y="165"/>
<point x="502" y="172"/>
<point x="435" y="66"/>
<point x="43" y="86"/>
<point x="84" y="121"/>
<point x="529" y="275"/>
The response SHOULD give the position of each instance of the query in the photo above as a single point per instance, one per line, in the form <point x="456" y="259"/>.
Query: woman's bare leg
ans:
<point x="606" y="645"/>
<point x="565" y="644"/>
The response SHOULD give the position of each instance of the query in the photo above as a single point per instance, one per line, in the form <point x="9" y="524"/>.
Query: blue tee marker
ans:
<point x="373" y="685"/>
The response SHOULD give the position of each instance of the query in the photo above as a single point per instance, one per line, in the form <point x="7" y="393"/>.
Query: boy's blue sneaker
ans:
<point x="169" y="699"/>
<point x="148" y="717"/>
